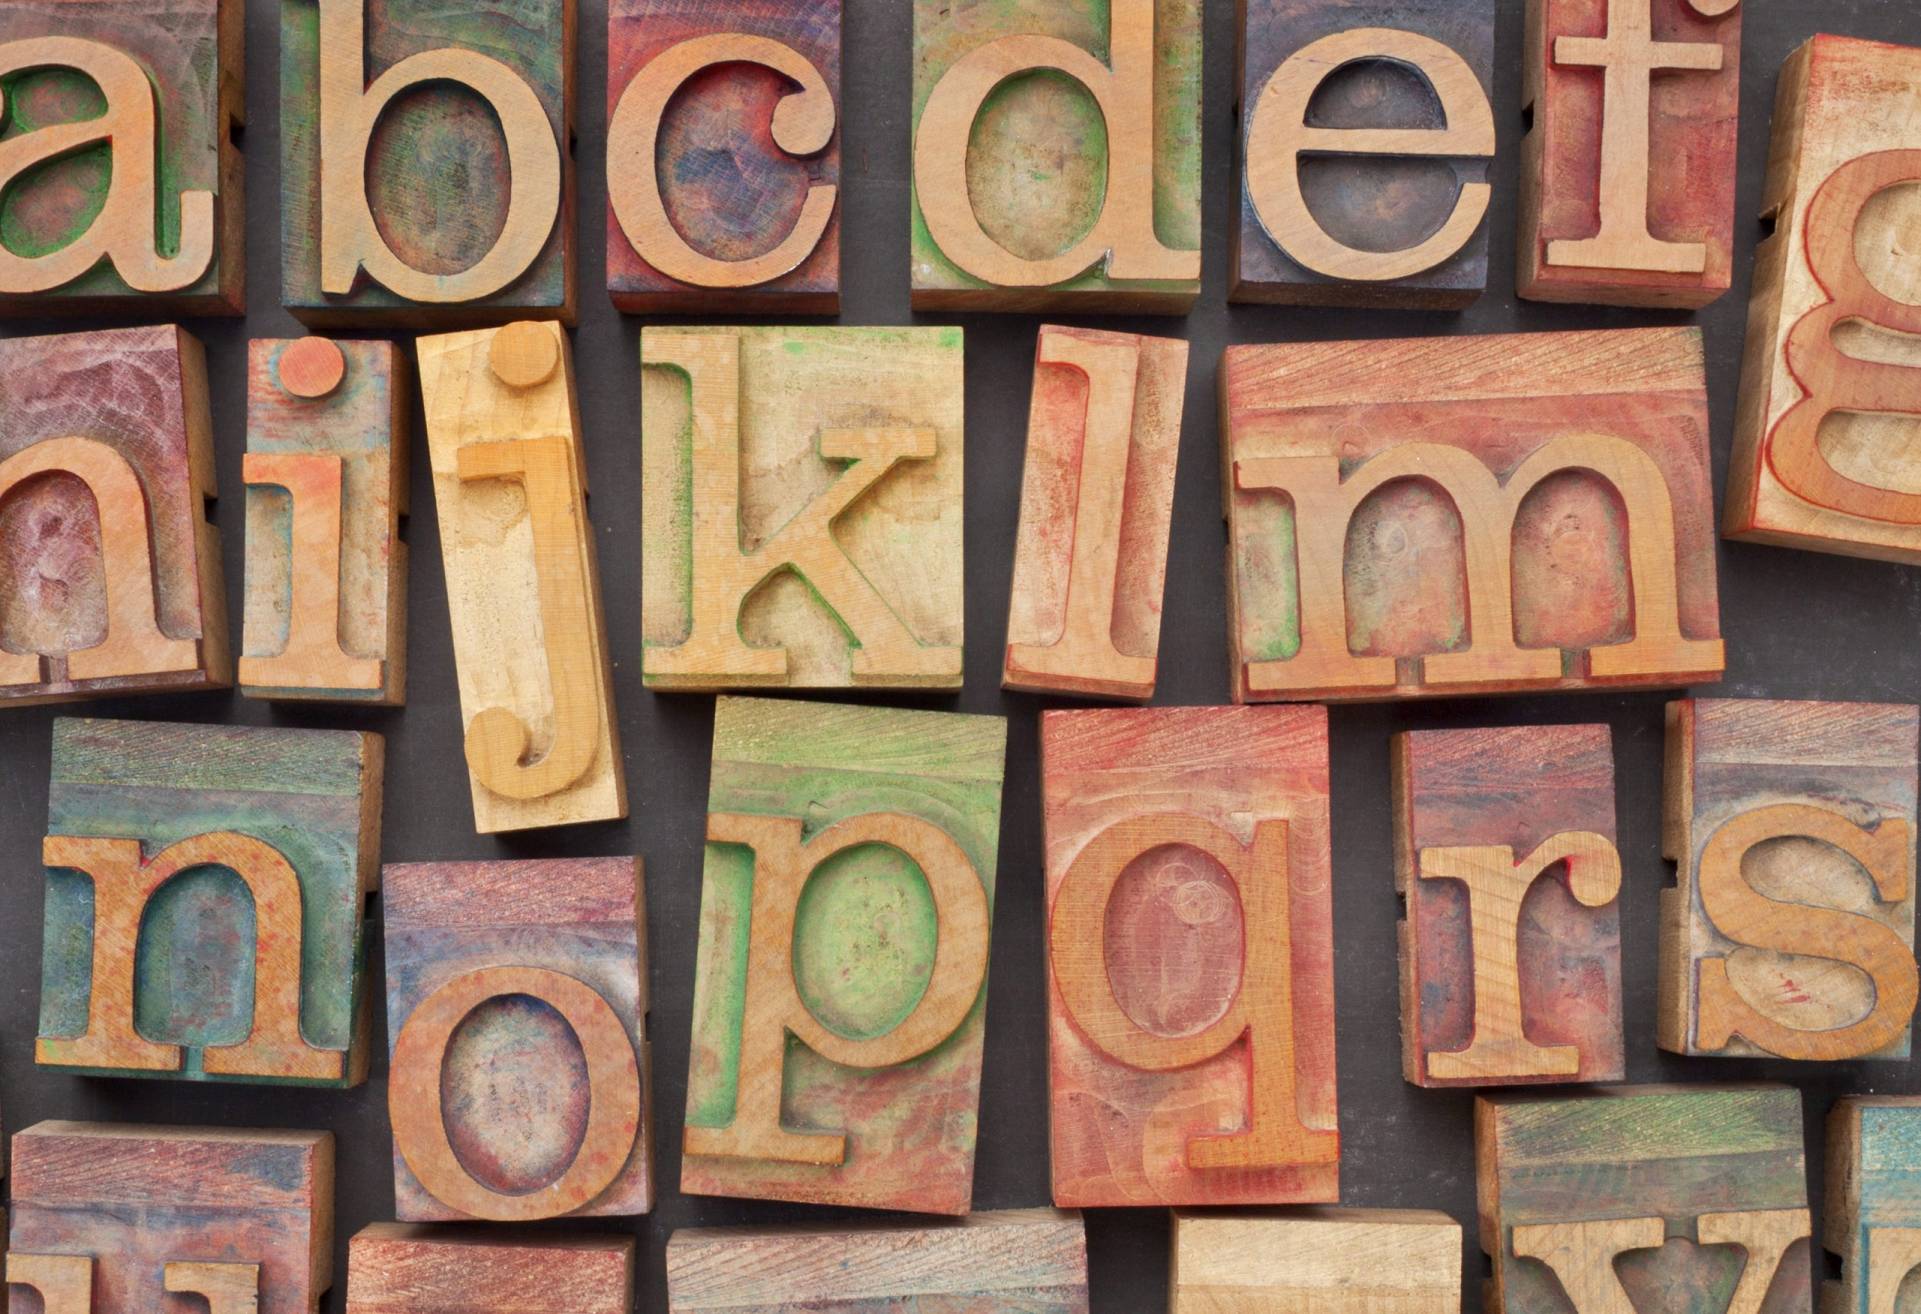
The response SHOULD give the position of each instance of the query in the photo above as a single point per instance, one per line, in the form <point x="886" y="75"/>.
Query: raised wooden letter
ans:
<point x="1873" y="1218"/>
<point x="398" y="1269"/>
<point x="1316" y="1261"/>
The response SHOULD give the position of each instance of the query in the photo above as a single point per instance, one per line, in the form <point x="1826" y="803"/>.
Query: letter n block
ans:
<point x="1873" y="1221"/>
<point x="1505" y="859"/>
<point x="1452" y="516"/>
<point x="842" y="966"/>
<point x="394" y="1268"/>
<point x="1790" y="930"/>
<point x="1316" y="1261"/>
<point x="1190" y="956"/>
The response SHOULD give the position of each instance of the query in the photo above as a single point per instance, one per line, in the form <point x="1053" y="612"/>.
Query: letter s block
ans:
<point x="839" y="994"/>
<point x="1873" y="1220"/>
<point x="1790" y="931"/>
<point x="1191" y="957"/>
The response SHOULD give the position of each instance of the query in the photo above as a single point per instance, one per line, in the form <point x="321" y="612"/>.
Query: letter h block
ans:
<point x="1873" y="1219"/>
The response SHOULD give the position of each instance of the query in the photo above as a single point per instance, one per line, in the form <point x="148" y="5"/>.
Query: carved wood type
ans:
<point x="396" y="1268"/>
<point x="1873" y="1218"/>
<point x="1316" y="1261"/>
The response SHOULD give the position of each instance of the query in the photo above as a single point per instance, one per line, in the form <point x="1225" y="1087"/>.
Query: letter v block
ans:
<point x="206" y="887"/>
<point x="1873" y="1220"/>
<point x="801" y="493"/>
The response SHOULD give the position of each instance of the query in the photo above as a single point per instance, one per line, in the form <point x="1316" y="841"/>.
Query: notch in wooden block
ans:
<point x="1315" y="1261"/>
<point x="1790" y="931"/>
<point x="1548" y="526"/>
<point x="1873" y="1220"/>
<point x="394" y="1268"/>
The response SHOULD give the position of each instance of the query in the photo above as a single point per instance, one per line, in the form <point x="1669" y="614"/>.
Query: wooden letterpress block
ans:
<point x="523" y="587"/>
<point x="426" y="161"/>
<point x="1823" y="437"/>
<point x="206" y="887"/>
<point x="326" y="472"/>
<point x="801" y="497"/>
<point x="1873" y="1221"/>
<point x="1505" y="858"/>
<point x="723" y="156"/>
<point x="1627" y="172"/>
<point x="1790" y="931"/>
<point x="517" y="1019"/>
<point x="1377" y="197"/>
<point x="839" y="997"/>
<point x="1316" y="1261"/>
<point x="1032" y="1260"/>
<point x="1683" y="1199"/>
<point x="122" y="187"/>
<point x="1469" y="515"/>
<point x="1097" y="498"/>
<point x="1057" y="156"/>
<point x="109" y="566"/>
<point x="110" y="1218"/>
<point x="1190" y="956"/>
<point x="393" y="1268"/>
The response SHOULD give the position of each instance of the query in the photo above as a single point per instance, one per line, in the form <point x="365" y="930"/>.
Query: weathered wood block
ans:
<point x="1824" y="455"/>
<point x="1790" y="930"/>
<point x="1873" y="1220"/>
<point x="1191" y="956"/>
<point x="1097" y="500"/>
<point x="1505" y="860"/>
<point x="110" y="577"/>
<point x="1685" y="1199"/>
<point x="1377" y="196"/>
<point x="723" y="156"/>
<point x="523" y="586"/>
<point x="1033" y="1260"/>
<point x="122" y="191"/>
<point x="426" y="161"/>
<point x="326" y="472"/>
<point x="517" y="1033"/>
<point x="395" y="1268"/>
<point x="801" y="504"/>
<point x="1057" y="156"/>
<point x="1316" y="1261"/>
<point x="110" y="1218"/>
<point x="846" y="903"/>
<point x="1627" y="170"/>
<point x="1454" y="515"/>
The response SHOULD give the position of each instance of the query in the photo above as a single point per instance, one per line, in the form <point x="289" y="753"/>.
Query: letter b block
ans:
<point x="1873" y="1219"/>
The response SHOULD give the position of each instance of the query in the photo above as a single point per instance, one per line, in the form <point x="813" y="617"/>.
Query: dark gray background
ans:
<point x="1797" y="625"/>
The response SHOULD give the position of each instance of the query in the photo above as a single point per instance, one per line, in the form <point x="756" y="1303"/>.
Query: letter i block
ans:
<point x="517" y="1015"/>
<point x="1790" y="931"/>
<point x="1504" y="854"/>
<point x="1469" y="515"/>
<point x="1873" y="1220"/>
<point x="1685" y="1199"/>
<point x="206" y="887"/>
<point x="839" y="995"/>
<point x="1191" y="957"/>
<point x="723" y="156"/>
<point x="1057" y="156"/>
<point x="801" y="497"/>
<point x="396" y="1269"/>
<point x="1316" y="1261"/>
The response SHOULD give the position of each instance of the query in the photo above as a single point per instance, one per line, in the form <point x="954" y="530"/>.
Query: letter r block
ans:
<point x="1873" y="1219"/>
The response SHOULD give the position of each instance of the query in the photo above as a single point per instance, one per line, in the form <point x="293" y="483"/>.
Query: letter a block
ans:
<point x="801" y="497"/>
<point x="840" y="991"/>
<point x="1505" y="858"/>
<point x="1316" y="1261"/>
<point x="1683" y="1199"/>
<point x="1057" y="156"/>
<point x="398" y="1269"/>
<point x="205" y="893"/>
<point x="1823" y="438"/>
<point x="1873" y="1220"/>
<point x="1191" y="957"/>
<point x="1790" y="931"/>
<point x="517" y="1015"/>
<point x="1452" y="516"/>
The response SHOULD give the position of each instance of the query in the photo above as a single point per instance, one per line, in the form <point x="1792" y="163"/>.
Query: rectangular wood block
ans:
<point x="1451" y="516"/>
<point x="109" y="565"/>
<point x="517" y="1035"/>
<point x="1034" y="194"/>
<point x="1873" y="1219"/>
<point x="1790" y="930"/>
<point x="110" y="1218"/>
<point x="1190" y="956"/>
<point x="326" y="472"/>
<point x="712" y="206"/>
<point x="1378" y="197"/>
<point x="1824" y="454"/>
<point x="879" y="973"/>
<point x="1032" y="1260"/>
<point x="145" y="212"/>
<point x="1644" y="1197"/>
<point x="1316" y="1261"/>
<point x="394" y="1268"/>
<point x="523" y="586"/>
<point x="1097" y="500"/>
<point x="1505" y="860"/>
<point x="1628" y="166"/>
<point x="801" y="507"/>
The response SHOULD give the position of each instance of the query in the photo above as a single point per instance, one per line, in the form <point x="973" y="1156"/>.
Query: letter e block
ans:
<point x="1316" y="1261"/>
<point x="394" y="1268"/>
<point x="1873" y="1220"/>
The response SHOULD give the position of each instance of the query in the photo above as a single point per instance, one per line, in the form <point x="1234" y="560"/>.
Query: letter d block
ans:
<point x="1873" y="1219"/>
<point x="398" y="1269"/>
<point x="840" y="989"/>
<point x="1191" y="957"/>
